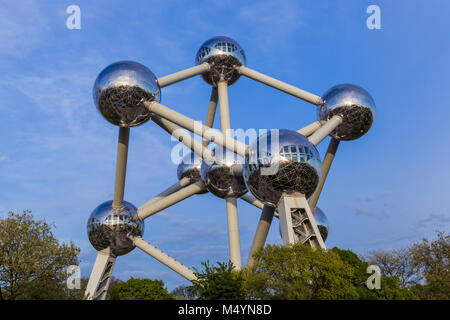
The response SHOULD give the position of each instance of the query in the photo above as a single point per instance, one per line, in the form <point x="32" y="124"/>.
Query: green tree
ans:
<point x="32" y="261"/>
<point x="299" y="272"/>
<point x="391" y="285"/>
<point x="114" y="282"/>
<point x="219" y="282"/>
<point x="396" y="263"/>
<point x="140" y="289"/>
<point x="183" y="292"/>
<point x="433" y="261"/>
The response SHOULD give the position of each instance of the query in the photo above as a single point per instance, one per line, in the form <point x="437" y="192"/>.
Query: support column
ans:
<point x="164" y="258"/>
<point x="211" y="112"/>
<point x="249" y="198"/>
<point x="295" y="213"/>
<point x="233" y="233"/>
<point x="325" y="130"/>
<point x="183" y="75"/>
<point x="121" y="166"/>
<point x="100" y="278"/>
<point x="155" y="207"/>
<point x="261" y="232"/>
<point x="311" y="128"/>
<point x="326" y="164"/>
<point x="184" y="137"/>
<point x="174" y="188"/>
<point x="277" y="84"/>
<point x="224" y="107"/>
<point x="197" y="127"/>
<point x="232" y="215"/>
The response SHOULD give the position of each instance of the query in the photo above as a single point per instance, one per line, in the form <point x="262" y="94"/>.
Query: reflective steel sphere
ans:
<point x="109" y="227"/>
<point x="223" y="54"/>
<point x="224" y="179"/>
<point x="321" y="221"/>
<point x="119" y="90"/>
<point x="291" y="166"/>
<point x="356" y="107"/>
<point x="190" y="167"/>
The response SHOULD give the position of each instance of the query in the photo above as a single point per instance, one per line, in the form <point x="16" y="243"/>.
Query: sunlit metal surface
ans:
<point x="119" y="90"/>
<point x="321" y="221"/>
<point x="294" y="167"/>
<point x="190" y="167"/>
<point x="224" y="55"/>
<point x="109" y="227"/>
<point x="356" y="107"/>
<point x="224" y="178"/>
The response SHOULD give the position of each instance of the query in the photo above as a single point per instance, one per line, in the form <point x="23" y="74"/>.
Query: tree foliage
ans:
<point x="299" y="272"/>
<point x="140" y="289"/>
<point x="114" y="282"/>
<point x="391" y="286"/>
<point x="396" y="263"/>
<point x="433" y="261"/>
<point x="219" y="282"/>
<point x="32" y="261"/>
<point x="422" y="267"/>
<point x="183" y="292"/>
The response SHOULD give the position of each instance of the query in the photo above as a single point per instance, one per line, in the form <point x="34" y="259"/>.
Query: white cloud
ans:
<point x="58" y="96"/>
<point x="22" y="25"/>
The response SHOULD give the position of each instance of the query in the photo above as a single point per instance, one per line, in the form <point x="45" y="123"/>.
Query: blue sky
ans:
<point x="57" y="154"/>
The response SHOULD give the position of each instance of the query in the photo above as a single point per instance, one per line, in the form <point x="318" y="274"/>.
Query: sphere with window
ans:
<point x="282" y="162"/>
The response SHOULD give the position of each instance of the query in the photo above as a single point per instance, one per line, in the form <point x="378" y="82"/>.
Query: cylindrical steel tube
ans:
<point x="233" y="233"/>
<point x="197" y="128"/>
<point x="174" y="188"/>
<point x="252" y="200"/>
<point x="211" y="112"/>
<point x="163" y="258"/>
<point x="311" y="128"/>
<point x="225" y="123"/>
<point x="277" y="84"/>
<point x="325" y="130"/>
<point x="183" y="75"/>
<point x="261" y="232"/>
<point x="326" y="164"/>
<point x="121" y="166"/>
<point x="185" y="138"/>
<point x="170" y="200"/>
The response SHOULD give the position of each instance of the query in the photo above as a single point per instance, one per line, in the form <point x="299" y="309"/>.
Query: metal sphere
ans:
<point x="321" y="221"/>
<point x="224" y="179"/>
<point x="285" y="165"/>
<point x="110" y="227"/>
<point x="356" y="107"/>
<point x="190" y="167"/>
<point x="120" y="89"/>
<point x="223" y="54"/>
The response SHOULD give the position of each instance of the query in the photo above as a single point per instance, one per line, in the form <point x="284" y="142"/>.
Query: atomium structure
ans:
<point x="280" y="172"/>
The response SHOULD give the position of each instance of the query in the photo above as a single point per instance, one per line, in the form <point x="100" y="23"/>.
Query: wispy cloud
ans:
<point x="58" y="95"/>
<point x="394" y="239"/>
<point x="437" y="220"/>
<point x="377" y="205"/>
<point x="22" y="26"/>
